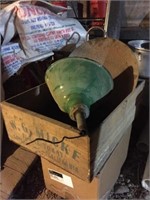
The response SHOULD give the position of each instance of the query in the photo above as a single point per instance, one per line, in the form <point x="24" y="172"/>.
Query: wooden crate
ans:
<point x="34" y="114"/>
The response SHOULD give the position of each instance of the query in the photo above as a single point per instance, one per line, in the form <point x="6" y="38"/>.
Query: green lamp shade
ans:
<point x="77" y="83"/>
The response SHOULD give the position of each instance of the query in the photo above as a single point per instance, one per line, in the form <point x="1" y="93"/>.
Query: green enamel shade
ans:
<point x="77" y="83"/>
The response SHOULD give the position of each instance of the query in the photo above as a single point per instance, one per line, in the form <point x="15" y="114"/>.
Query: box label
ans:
<point x="61" y="178"/>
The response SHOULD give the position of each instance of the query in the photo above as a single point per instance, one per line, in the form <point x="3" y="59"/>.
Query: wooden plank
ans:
<point x="20" y="160"/>
<point x="10" y="179"/>
<point x="108" y="136"/>
<point x="14" y="170"/>
<point x="3" y="195"/>
<point x="119" y="116"/>
<point x="109" y="133"/>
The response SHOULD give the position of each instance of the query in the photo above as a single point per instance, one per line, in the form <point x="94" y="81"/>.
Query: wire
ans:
<point x="82" y="134"/>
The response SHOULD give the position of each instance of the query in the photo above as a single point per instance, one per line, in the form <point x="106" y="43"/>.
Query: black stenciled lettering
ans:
<point x="75" y="154"/>
<point x="64" y="147"/>
<point x="24" y="128"/>
<point x="59" y="153"/>
<point x="47" y="147"/>
<point x="13" y="124"/>
<point x="53" y="150"/>
<point x="39" y="133"/>
<point x="59" y="159"/>
<point x="69" y="166"/>
<point x="47" y="135"/>
<point x="35" y="146"/>
<point x="73" y="168"/>
<point x="65" y="163"/>
<point x="27" y="133"/>
<point x="54" y="139"/>
<point x="51" y="156"/>
<point x="76" y="170"/>
<point x="56" y="155"/>
<point x="17" y="138"/>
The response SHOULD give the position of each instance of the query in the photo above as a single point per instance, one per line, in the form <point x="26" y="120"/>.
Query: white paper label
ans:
<point x="61" y="178"/>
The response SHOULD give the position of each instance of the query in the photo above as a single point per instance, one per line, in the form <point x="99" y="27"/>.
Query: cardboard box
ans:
<point x="34" y="121"/>
<point x="69" y="186"/>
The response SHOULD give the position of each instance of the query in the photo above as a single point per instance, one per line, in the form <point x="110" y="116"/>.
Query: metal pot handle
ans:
<point x="140" y="56"/>
<point x="96" y="27"/>
<point x="74" y="33"/>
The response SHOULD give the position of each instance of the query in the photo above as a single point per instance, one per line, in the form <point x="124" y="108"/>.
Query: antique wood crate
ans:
<point x="34" y="114"/>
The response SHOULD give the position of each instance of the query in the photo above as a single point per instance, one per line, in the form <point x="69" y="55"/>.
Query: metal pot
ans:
<point x="113" y="54"/>
<point x="141" y="49"/>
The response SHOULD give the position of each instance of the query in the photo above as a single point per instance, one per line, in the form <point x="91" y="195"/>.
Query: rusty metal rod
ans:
<point x="81" y="122"/>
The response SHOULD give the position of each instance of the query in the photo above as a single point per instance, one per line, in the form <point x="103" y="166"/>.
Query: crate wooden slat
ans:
<point x="112" y="129"/>
<point x="13" y="171"/>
